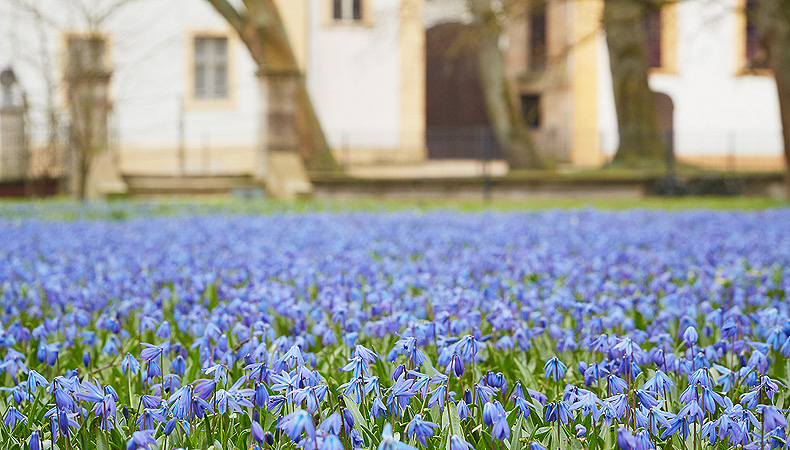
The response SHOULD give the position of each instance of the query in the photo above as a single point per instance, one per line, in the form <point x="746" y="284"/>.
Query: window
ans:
<point x="347" y="10"/>
<point x="653" y="25"/>
<point x="756" y="57"/>
<point x="211" y="68"/>
<point x="530" y="109"/>
<point x="537" y="38"/>
<point x="86" y="53"/>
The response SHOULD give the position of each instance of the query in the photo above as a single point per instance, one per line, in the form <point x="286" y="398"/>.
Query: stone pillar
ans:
<point x="278" y="131"/>
<point x="277" y="161"/>
<point x="89" y="110"/>
<point x="13" y="144"/>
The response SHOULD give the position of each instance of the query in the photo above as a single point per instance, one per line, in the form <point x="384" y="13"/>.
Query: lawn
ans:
<point x="331" y="326"/>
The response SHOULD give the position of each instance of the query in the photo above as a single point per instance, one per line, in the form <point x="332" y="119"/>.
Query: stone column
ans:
<point x="89" y="109"/>
<point x="13" y="145"/>
<point x="277" y="161"/>
<point x="278" y="130"/>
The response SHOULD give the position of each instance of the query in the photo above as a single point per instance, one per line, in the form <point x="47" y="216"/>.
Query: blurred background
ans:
<point x="394" y="98"/>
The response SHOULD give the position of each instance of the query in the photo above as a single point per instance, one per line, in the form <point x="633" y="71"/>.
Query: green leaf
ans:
<point x="455" y="420"/>
<point x="515" y="436"/>
<point x="101" y="442"/>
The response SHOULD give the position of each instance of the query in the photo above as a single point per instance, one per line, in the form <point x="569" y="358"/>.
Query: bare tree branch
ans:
<point x="234" y="17"/>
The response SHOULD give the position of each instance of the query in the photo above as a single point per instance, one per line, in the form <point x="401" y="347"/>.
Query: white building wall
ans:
<point x="354" y="76"/>
<point x="717" y="111"/>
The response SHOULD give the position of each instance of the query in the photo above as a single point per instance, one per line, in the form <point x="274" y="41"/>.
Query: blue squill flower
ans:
<point x="456" y="366"/>
<point x="625" y="440"/>
<point x="501" y="429"/>
<point x="459" y="443"/>
<point x="12" y="417"/>
<point x="357" y="366"/>
<point x="151" y="351"/>
<point x="772" y="418"/>
<point x="295" y="423"/>
<point x="149" y="418"/>
<point x="645" y="399"/>
<point x="554" y="368"/>
<point x="420" y="429"/>
<point x="257" y="432"/>
<point x="142" y="440"/>
<point x="388" y="442"/>
<point x="332" y="424"/>
<point x="660" y="384"/>
<point x="378" y="409"/>
<point x="690" y="336"/>
<point x="558" y="411"/>
<point x="128" y="363"/>
<point x="35" y="441"/>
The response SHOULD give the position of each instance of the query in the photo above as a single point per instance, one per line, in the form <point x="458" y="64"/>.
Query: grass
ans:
<point x="64" y="209"/>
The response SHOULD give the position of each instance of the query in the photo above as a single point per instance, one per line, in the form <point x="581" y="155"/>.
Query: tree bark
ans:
<point x="506" y="120"/>
<point x="261" y="29"/>
<point x="774" y="23"/>
<point x="626" y="38"/>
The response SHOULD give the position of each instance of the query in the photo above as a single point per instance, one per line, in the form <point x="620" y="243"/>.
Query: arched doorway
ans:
<point x="455" y="111"/>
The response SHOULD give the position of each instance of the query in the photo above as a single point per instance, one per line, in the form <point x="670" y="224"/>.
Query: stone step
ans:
<point x="142" y="185"/>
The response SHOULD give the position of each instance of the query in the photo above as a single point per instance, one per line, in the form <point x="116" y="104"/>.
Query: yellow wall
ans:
<point x="294" y="15"/>
<point x="669" y="39"/>
<point x="585" y="149"/>
<point x="412" y="80"/>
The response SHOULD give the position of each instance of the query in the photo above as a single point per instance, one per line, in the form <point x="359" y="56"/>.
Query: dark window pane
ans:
<point x="755" y="53"/>
<point x="357" y="9"/>
<point x="537" y="38"/>
<point x="220" y="81"/>
<point x="530" y="108"/>
<point x="652" y="22"/>
<point x="337" y="9"/>
<point x="200" y="81"/>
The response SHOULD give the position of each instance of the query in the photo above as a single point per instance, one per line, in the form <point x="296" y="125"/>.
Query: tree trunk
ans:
<point x="640" y="139"/>
<point x="263" y="32"/>
<point x="774" y="21"/>
<point x="506" y="120"/>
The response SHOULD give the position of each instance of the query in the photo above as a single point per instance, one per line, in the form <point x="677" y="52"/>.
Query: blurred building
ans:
<point x="183" y="88"/>
<point x="716" y="100"/>
<point x="394" y="82"/>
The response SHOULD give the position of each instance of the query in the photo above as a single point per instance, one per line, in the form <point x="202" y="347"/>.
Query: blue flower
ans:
<point x="151" y="351"/>
<point x="459" y="443"/>
<point x="12" y="417"/>
<point x="558" y="411"/>
<point x="257" y="432"/>
<point x="388" y="442"/>
<point x="129" y="363"/>
<point x="456" y="366"/>
<point x="690" y="336"/>
<point x="554" y="368"/>
<point x="420" y="429"/>
<point x="625" y="440"/>
<point x="646" y="400"/>
<point x="295" y="423"/>
<point x="35" y="441"/>
<point x="772" y="418"/>
<point x="501" y="429"/>
<point x="142" y="440"/>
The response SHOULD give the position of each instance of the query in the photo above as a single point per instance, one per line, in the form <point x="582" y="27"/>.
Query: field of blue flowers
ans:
<point x="325" y="331"/>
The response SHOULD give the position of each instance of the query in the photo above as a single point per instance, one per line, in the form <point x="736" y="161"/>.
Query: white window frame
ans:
<point x="210" y="101"/>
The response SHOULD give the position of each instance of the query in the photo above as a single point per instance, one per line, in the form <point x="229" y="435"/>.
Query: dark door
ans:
<point x="456" y="118"/>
